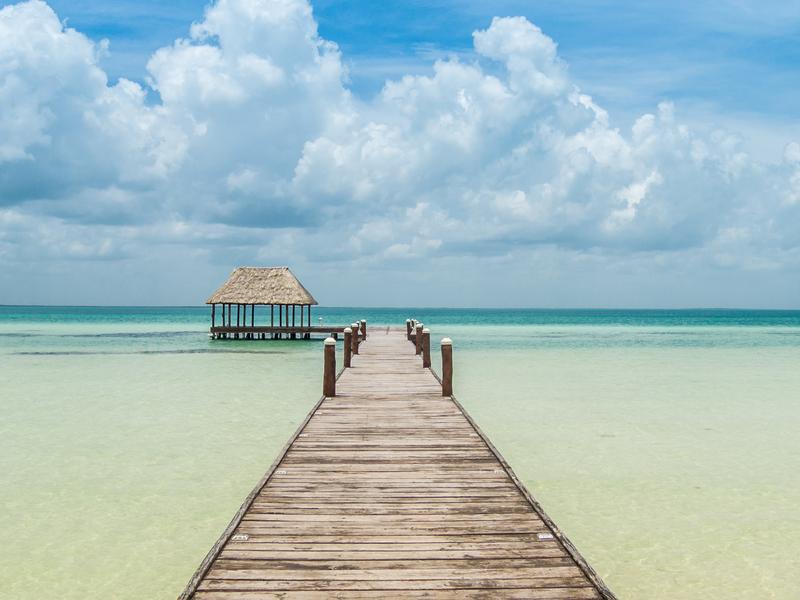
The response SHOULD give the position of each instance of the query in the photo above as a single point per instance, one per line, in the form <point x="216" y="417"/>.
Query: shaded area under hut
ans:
<point x="288" y="300"/>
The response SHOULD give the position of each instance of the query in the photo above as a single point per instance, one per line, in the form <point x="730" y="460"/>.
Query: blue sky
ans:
<point x="673" y="181"/>
<point x="738" y="57"/>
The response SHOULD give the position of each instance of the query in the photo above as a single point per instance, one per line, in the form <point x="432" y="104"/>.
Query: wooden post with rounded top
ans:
<point x="447" y="367"/>
<point x="348" y="334"/>
<point x="329" y="373"/>
<point x="426" y="348"/>
<point x="363" y="329"/>
<point x="418" y="338"/>
<point x="354" y="338"/>
<point x="408" y="329"/>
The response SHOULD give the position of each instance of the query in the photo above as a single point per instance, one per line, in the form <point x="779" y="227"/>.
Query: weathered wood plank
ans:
<point x="528" y="589"/>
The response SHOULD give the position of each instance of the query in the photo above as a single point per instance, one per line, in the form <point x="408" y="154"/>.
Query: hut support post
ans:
<point x="213" y="315"/>
<point x="329" y="374"/>
<point x="447" y="367"/>
<point x="348" y="350"/>
<point x="426" y="348"/>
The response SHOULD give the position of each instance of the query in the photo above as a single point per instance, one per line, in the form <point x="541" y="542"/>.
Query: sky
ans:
<point x="445" y="153"/>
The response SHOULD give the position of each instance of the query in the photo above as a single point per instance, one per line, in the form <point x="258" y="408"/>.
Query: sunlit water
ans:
<point x="665" y="444"/>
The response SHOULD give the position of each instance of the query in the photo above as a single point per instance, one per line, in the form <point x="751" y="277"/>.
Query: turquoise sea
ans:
<point x="664" y="443"/>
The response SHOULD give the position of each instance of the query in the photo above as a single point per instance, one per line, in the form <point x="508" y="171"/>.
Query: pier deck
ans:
<point x="389" y="490"/>
<point x="266" y="332"/>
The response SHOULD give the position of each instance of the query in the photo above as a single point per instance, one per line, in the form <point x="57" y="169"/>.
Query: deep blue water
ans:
<point x="200" y="315"/>
<point x="60" y="330"/>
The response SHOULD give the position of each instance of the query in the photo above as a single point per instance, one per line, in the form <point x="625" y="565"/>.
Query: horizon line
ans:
<point x="544" y="308"/>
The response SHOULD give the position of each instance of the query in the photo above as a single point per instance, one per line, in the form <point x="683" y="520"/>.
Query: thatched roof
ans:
<point x="262" y="285"/>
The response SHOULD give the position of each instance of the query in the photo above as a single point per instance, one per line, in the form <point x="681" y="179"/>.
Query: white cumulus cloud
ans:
<point x="247" y="143"/>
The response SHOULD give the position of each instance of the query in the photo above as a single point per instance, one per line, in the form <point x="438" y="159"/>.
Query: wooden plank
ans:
<point x="389" y="488"/>
<point x="226" y="569"/>
<point x="518" y="589"/>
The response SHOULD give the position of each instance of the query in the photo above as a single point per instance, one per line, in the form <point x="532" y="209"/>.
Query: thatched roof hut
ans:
<point x="262" y="285"/>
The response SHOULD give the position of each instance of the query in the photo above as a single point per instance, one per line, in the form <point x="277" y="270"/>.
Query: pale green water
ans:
<point x="664" y="444"/>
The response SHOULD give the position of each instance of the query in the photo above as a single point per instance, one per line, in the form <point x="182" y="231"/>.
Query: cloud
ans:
<point x="255" y="147"/>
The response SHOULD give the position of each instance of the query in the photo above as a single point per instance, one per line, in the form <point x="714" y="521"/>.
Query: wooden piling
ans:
<point x="348" y="333"/>
<point x="426" y="348"/>
<point x="447" y="367"/>
<point x="408" y="329"/>
<point x="418" y="338"/>
<point x="354" y="338"/>
<point x="329" y="373"/>
<point x="363" y="329"/>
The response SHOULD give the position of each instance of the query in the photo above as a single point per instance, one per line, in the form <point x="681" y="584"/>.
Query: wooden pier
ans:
<point x="389" y="490"/>
<point x="263" y="333"/>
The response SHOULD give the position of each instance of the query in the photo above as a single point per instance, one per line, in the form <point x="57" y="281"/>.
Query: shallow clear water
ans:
<point x="664" y="443"/>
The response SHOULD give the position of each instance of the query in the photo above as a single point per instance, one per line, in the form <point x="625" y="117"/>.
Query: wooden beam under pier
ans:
<point x="285" y="329"/>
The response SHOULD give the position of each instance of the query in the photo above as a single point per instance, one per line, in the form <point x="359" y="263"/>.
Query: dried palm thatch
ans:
<point x="262" y="285"/>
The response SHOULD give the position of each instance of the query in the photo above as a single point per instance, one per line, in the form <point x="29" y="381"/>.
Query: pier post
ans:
<point x="408" y="329"/>
<point x="354" y="327"/>
<point x="348" y="334"/>
<point x="447" y="367"/>
<point x="364" y="329"/>
<point x="426" y="348"/>
<point x="329" y="373"/>
<point x="418" y="338"/>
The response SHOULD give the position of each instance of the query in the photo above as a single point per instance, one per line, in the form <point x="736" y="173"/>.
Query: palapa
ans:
<point x="262" y="285"/>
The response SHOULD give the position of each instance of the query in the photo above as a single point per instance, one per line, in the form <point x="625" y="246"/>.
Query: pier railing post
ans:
<point x="329" y="373"/>
<point x="348" y="334"/>
<point x="426" y="348"/>
<point x="363" y="329"/>
<point x="354" y="338"/>
<point x="447" y="367"/>
<point x="408" y="329"/>
<point x="418" y="338"/>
